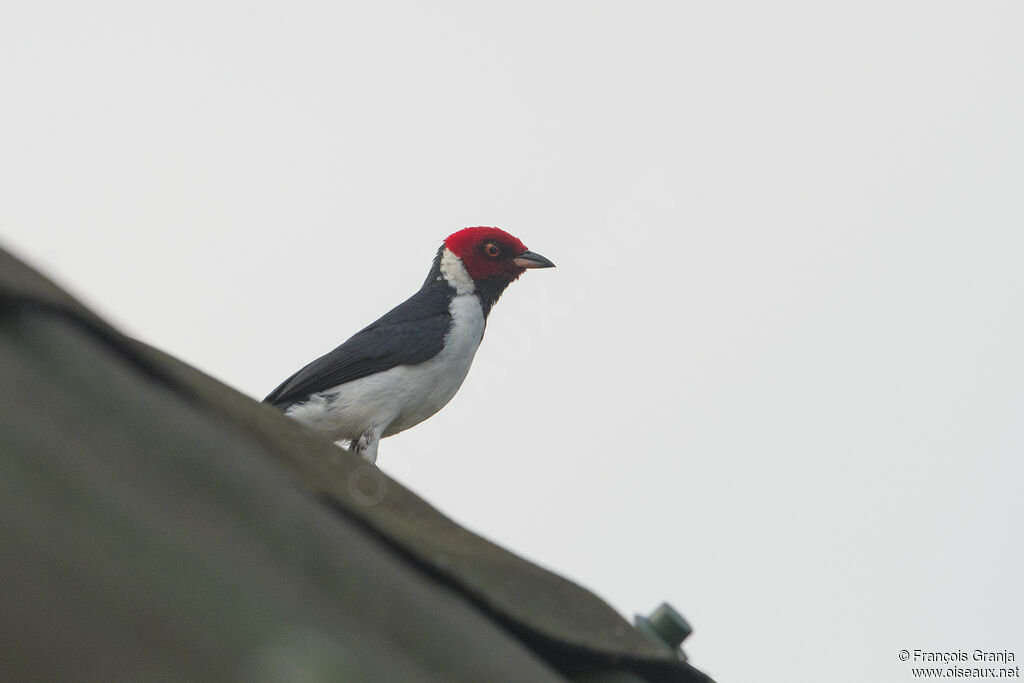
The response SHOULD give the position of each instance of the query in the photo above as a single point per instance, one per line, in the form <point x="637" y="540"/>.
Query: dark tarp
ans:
<point x="157" y="524"/>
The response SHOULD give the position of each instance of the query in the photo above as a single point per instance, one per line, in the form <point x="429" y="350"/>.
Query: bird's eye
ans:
<point x="492" y="250"/>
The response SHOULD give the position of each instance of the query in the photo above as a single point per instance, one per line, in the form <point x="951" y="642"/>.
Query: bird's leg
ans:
<point x="366" y="445"/>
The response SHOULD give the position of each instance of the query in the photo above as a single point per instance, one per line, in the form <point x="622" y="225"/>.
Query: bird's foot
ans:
<point x="366" y="446"/>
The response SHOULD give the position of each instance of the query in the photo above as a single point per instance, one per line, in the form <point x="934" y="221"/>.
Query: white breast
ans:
<point x="392" y="401"/>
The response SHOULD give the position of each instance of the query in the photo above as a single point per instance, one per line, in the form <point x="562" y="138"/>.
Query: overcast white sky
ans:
<point x="777" y="377"/>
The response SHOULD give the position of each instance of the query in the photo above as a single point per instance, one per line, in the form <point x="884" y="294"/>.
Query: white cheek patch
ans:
<point x="455" y="273"/>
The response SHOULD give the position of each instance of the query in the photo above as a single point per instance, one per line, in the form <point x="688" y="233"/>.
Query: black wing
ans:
<point x="410" y="333"/>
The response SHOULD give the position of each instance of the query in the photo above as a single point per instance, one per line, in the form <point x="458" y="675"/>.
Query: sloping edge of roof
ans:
<point x="543" y="608"/>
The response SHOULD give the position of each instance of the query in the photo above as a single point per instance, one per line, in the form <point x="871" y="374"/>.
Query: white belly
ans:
<point x="392" y="401"/>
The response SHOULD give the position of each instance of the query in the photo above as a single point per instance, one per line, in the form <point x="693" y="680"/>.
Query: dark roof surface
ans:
<point x="156" y="523"/>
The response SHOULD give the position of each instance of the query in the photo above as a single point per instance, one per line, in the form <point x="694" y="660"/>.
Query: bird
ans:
<point x="403" y="368"/>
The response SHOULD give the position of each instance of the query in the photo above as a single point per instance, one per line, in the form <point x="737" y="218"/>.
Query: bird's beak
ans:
<point x="530" y="260"/>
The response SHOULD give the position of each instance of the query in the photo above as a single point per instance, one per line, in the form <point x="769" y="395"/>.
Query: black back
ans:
<point x="408" y="334"/>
